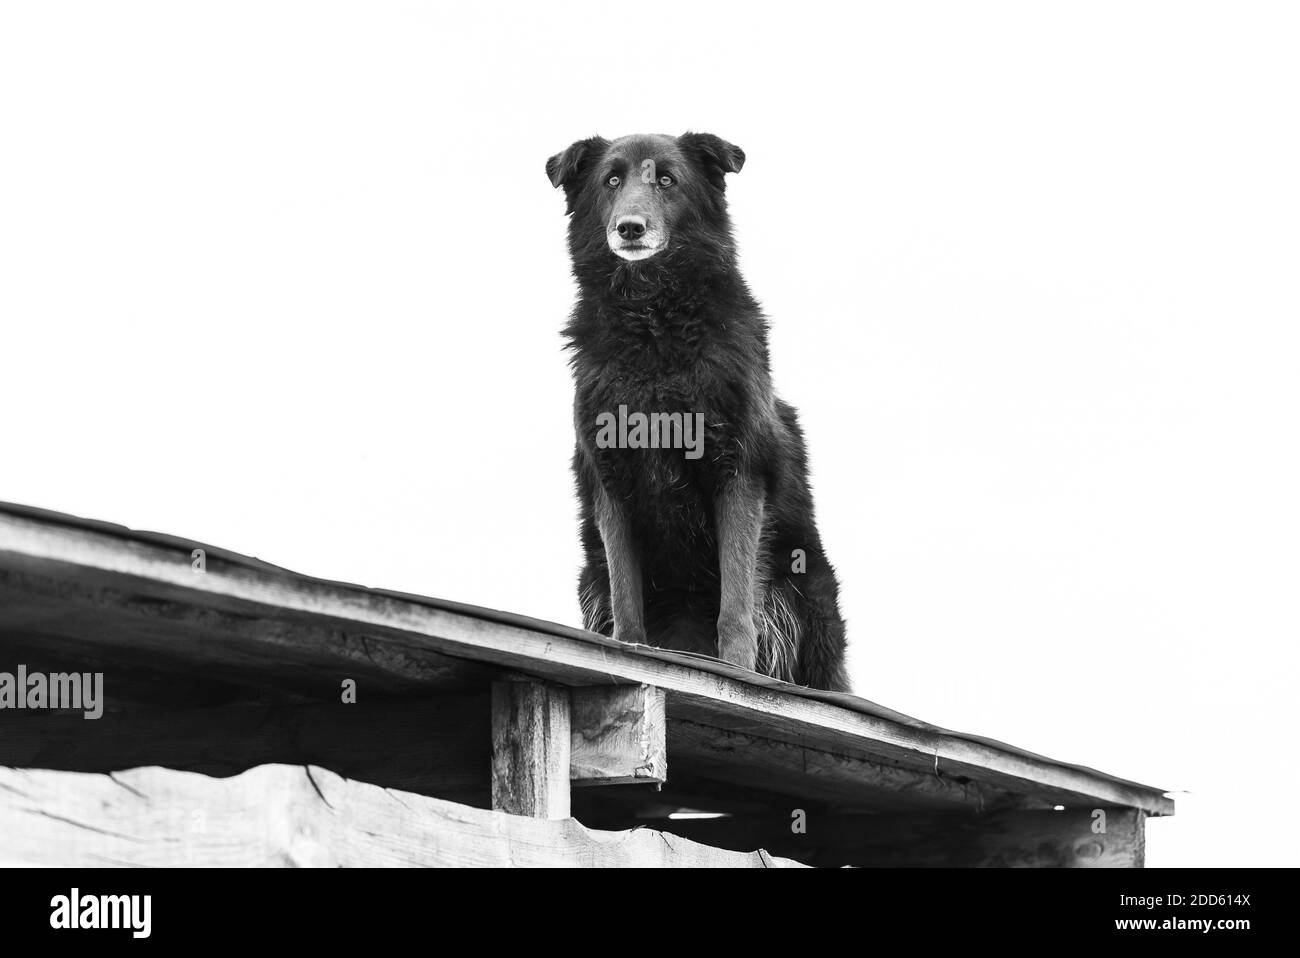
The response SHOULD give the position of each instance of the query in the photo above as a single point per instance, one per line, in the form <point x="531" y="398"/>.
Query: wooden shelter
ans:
<point x="253" y="716"/>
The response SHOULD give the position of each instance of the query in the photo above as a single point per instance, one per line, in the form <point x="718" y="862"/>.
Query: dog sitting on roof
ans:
<point x="696" y="513"/>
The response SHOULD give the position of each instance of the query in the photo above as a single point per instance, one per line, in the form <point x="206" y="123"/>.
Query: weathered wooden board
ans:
<point x="619" y="735"/>
<point x="279" y="815"/>
<point x="808" y="773"/>
<point x="129" y="624"/>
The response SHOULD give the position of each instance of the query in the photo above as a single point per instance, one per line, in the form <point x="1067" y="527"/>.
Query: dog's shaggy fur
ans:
<point x="698" y="554"/>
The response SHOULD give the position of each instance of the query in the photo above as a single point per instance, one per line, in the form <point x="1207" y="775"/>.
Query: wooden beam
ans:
<point x="131" y="624"/>
<point x="280" y="815"/>
<point x="531" y="745"/>
<point x="808" y="773"/>
<point x="1007" y="839"/>
<point x="619" y="735"/>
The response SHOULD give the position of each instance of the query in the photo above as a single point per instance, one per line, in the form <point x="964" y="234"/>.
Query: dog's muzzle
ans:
<point x="633" y="238"/>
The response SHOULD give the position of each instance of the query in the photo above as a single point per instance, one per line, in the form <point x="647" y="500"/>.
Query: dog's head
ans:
<point x="638" y="196"/>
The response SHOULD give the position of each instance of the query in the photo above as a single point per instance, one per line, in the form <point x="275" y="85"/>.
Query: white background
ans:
<point x="288" y="278"/>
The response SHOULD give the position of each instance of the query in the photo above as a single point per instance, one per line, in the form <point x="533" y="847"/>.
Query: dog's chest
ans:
<point x="672" y="407"/>
<point x="658" y="442"/>
<point x="652" y="366"/>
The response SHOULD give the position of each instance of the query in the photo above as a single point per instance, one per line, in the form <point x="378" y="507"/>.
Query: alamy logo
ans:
<point x="58" y="690"/>
<point x="656" y="430"/>
<point x="102" y="911"/>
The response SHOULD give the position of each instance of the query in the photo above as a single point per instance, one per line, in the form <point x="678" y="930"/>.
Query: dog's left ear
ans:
<point x="563" y="169"/>
<point x="716" y="155"/>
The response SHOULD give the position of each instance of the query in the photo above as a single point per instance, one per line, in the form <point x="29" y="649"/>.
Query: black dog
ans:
<point x="697" y="520"/>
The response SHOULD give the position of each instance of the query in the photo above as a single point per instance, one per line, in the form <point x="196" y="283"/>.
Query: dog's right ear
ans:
<point x="563" y="169"/>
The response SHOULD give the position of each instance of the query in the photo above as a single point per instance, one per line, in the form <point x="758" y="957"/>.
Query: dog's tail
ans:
<point x="593" y="600"/>
<point x="780" y="632"/>
<point x="798" y="643"/>
<point x="821" y="655"/>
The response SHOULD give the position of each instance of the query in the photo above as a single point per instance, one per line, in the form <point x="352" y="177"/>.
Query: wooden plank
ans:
<point x="235" y="643"/>
<point x="531" y="745"/>
<point x="619" y="735"/>
<point x="437" y="747"/>
<point x="398" y="628"/>
<point x="1007" y="839"/>
<point x="807" y="773"/>
<point x="279" y="815"/>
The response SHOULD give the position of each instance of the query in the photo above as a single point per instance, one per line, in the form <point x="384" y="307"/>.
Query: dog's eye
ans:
<point x="666" y="180"/>
<point x="613" y="181"/>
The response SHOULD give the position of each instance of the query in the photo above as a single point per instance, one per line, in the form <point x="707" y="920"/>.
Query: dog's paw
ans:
<point x="738" y="643"/>
<point x="630" y="636"/>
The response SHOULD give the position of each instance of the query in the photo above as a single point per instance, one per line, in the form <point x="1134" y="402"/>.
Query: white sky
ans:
<point x="289" y="278"/>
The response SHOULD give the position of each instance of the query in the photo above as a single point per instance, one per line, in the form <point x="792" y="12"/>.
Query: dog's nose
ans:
<point x="631" y="227"/>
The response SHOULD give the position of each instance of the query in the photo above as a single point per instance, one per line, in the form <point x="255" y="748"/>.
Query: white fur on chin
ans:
<point x="635" y="254"/>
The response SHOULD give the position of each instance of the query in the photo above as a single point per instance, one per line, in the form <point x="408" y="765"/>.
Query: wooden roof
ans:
<point x="89" y="595"/>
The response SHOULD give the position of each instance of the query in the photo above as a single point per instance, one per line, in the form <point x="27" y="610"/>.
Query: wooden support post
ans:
<point x="530" y="749"/>
<point x="619" y="735"/>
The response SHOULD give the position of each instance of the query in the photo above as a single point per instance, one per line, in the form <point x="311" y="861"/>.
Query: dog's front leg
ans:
<point x="739" y="511"/>
<point x="627" y="604"/>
